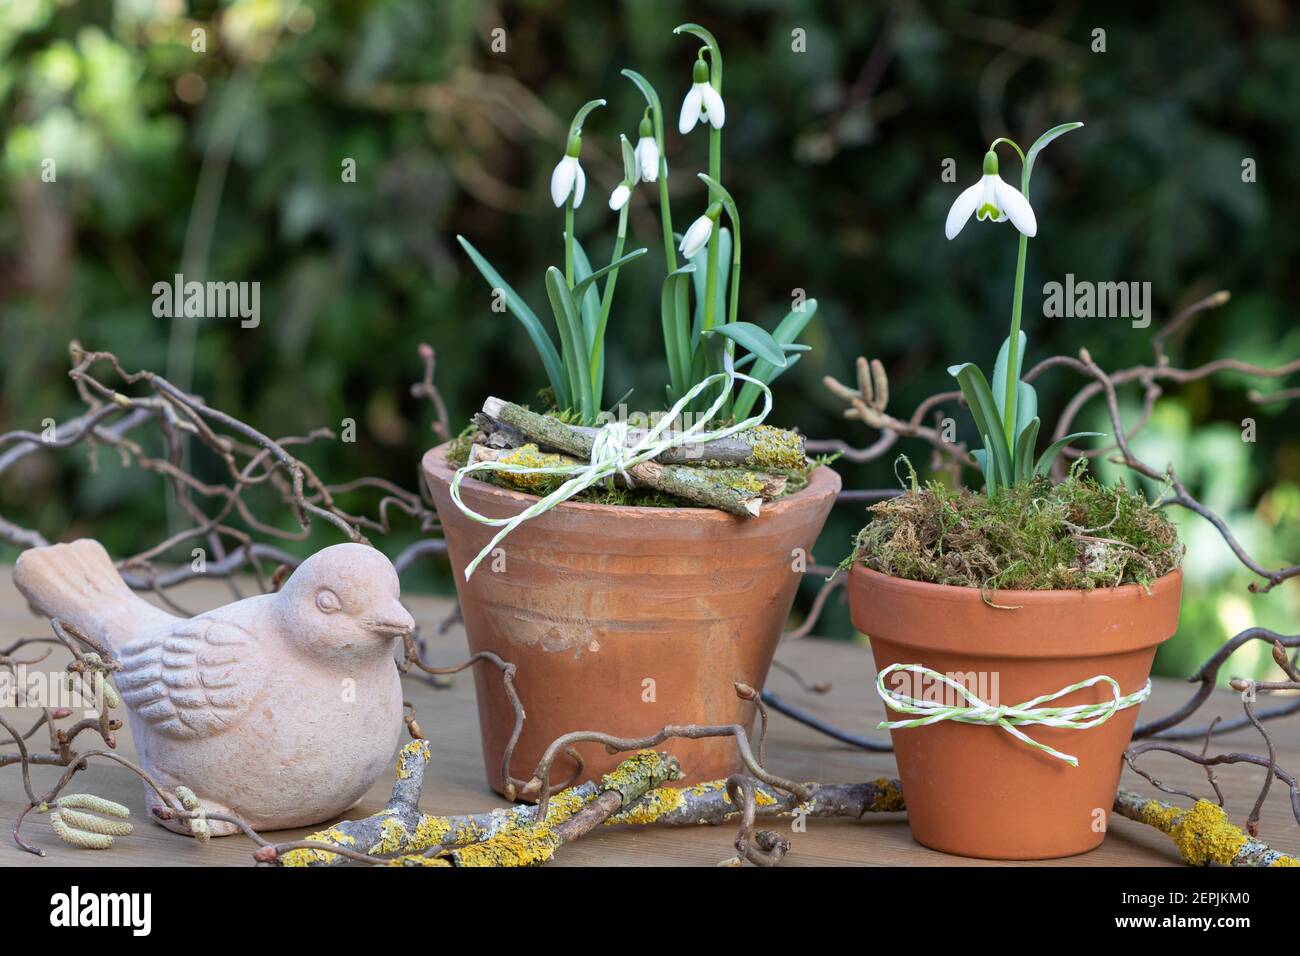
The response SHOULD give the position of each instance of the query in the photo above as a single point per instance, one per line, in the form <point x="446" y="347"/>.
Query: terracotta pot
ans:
<point x="595" y="602"/>
<point x="976" y="790"/>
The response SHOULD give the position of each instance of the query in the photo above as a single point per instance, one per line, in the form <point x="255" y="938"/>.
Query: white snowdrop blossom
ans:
<point x="619" y="197"/>
<point x="702" y="103"/>
<point x="991" y="198"/>
<point x="699" y="233"/>
<point x="647" y="152"/>
<point x="568" y="177"/>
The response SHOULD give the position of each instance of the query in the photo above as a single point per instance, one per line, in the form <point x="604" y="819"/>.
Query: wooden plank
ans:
<point x="456" y="781"/>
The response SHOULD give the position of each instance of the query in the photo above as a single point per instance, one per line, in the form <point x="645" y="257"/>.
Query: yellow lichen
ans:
<point x="747" y="482"/>
<point x="564" y="805"/>
<point x="1204" y="835"/>
<point x="513" y="846"/>
<point x="707" y="787"/>
<point x="393" y="837"/>
<point x="774" y="448"/>
<point x="528" y="845"/>
<point x="468" y="832"/>
<point x="657" y="803"/>
<point x="529" y="456"/>
<point x="650" y="808"/>
<point x="416" y="749"/>
<point x="430" y="831"/>
<point x="1159" y="815"/>
<point x="418" y="859"/>
<point x="1286" y="861"/>
<point x="307" y="856"/>
<point x="888" y="797"/>
<point x="638" y="772"/>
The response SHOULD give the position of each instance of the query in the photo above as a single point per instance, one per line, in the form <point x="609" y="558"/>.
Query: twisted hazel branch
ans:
<point x="413" y="659"/>
<point x="249" y="459"/>
<point x="867" y="404"/>
<point x="1180" y="496"/>
<point x="427" y="390"/>
<point x="1167" y="727"/>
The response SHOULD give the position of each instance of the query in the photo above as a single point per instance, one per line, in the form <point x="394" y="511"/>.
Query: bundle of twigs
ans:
<point x="735" y="474"/>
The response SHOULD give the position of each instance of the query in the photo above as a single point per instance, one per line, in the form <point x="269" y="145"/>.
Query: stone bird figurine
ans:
<point x="282" y="708"/>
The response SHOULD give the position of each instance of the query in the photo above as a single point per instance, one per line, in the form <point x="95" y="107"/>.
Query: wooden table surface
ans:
<point x="455" y="782"/>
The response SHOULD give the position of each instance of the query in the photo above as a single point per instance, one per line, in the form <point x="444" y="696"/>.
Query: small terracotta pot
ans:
<point x="976" y="790"/>
<point x="624" y="619"/>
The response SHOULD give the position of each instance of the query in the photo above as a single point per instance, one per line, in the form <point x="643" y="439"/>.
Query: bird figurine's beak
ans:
<point x="396" y="621"/>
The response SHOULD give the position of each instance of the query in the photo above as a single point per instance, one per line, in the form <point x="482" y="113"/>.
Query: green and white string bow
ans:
<point x="1008" y="717"/>
<point x="611" y="454"/>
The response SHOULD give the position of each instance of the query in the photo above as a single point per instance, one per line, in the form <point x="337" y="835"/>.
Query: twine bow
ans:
<point x="610" y="445"/>
<point x="1008" y="717"/>
<point x="612" y="454"/>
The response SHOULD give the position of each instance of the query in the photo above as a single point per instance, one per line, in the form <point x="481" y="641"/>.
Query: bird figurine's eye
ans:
<point x="328" y="601"/>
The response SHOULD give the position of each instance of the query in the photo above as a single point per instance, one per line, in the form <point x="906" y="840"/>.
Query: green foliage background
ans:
<point x="834" y="155"/>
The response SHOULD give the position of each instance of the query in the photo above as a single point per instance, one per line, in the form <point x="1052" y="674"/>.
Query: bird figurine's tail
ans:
<point x="78" y="583"/>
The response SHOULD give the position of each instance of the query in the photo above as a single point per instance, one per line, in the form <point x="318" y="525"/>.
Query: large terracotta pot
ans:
<point x="623" y="619"/>
<point x="975" y="790"/>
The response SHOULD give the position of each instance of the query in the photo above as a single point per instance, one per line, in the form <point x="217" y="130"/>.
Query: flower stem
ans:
<point x="1013" y="346"/>
<point x="1017" y="300"/>
<point x="711" y="282"/>
<point x="666" y="213"/>
<point x="568" y="241"/>
<point x="734" y="281"/>
<point x="607" y="300"/>
<point x="711" y="269"/>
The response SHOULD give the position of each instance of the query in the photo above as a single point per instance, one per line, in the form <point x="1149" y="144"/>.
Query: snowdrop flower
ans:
<point x="647" y="151"/>
<point x="568" y="177"/>
<point x="700" y="232"/>
<point x="702" y="102"/>
<point x="619" y="197"/>
<point x="991" y="198"/>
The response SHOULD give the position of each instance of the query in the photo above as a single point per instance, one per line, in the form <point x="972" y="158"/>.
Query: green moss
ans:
<point x="1037" y="536"/>
<point x="458" y="450"/>
<point x="633" y="497"/>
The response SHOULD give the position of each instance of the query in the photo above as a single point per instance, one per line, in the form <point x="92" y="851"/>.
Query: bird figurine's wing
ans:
<point x="193" y="681"/>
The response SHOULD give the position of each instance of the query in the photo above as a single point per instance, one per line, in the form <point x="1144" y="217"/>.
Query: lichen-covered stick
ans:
<point x="1202" y="834"/>
<point x="687" y="732"/>
<point x="515" y="837"/>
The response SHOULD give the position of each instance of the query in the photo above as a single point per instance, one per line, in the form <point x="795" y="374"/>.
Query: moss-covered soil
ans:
<point x="1076" y="534"/>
